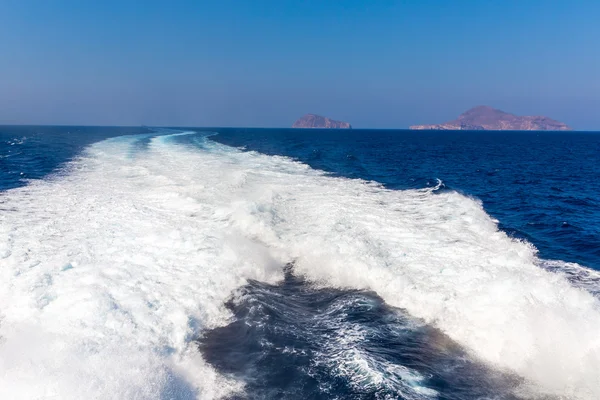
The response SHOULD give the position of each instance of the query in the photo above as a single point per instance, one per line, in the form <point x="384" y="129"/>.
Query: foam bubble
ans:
<point x="111" y="270"/>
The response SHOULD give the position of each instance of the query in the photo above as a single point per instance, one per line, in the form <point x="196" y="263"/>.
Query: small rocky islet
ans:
<point x="318" y="121"/>
<point x="488" y="118"/>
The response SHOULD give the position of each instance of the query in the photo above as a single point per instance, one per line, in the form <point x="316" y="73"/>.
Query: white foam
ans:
<point x="579" y="276"/>
<point x="344" y="355"/>
<point x="110" y="271"/>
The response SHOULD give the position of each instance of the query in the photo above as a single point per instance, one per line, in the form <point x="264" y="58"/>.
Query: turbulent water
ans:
<point x="267" y="264"/>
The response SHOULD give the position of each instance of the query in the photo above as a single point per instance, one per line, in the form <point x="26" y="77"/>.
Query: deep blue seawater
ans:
<point x="296" y="340"/>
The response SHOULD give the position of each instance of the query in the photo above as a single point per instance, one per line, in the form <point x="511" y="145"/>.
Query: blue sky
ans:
<point x="380" y="64"/>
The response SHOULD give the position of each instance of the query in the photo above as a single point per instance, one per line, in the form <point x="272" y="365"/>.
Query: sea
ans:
<point x="234" y="263"/>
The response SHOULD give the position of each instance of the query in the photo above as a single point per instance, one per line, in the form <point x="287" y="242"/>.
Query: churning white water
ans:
<point x="110" y="270"/>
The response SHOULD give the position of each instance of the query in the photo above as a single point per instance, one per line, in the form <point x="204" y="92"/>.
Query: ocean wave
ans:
<point x="579" y="276"/>
<point x="111" y="270"/>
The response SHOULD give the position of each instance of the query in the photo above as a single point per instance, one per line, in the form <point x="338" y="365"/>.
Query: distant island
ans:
<point x="317" y="121"/>
<point x="488" y="118"/>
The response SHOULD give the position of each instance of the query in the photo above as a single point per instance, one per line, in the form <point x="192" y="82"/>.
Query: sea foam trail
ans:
<point x="108" y="272"/>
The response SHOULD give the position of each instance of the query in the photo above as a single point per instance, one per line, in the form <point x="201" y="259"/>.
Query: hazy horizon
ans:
<point x="236" y="64"/>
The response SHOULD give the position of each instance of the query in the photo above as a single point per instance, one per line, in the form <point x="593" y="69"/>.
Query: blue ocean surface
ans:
<point x="301" y="264"/>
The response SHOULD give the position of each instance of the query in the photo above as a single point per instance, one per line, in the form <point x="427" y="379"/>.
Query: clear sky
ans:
<point x="380" y="64"/>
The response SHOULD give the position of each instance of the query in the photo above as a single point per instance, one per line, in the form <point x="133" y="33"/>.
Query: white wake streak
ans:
<point x="108" y="273"/>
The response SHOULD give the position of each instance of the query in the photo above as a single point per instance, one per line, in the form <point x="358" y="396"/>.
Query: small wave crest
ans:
<point x="581" y="277"/>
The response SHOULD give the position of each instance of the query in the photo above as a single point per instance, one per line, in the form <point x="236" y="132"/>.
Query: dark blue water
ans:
<point x="293" y="340"/>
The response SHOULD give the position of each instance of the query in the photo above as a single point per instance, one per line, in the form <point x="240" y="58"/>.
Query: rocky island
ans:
<point x="317" y="121"/>
<point x="488" y="118"/>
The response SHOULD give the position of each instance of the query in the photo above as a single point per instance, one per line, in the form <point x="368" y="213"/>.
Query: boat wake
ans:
<point x="117" y="276"/>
